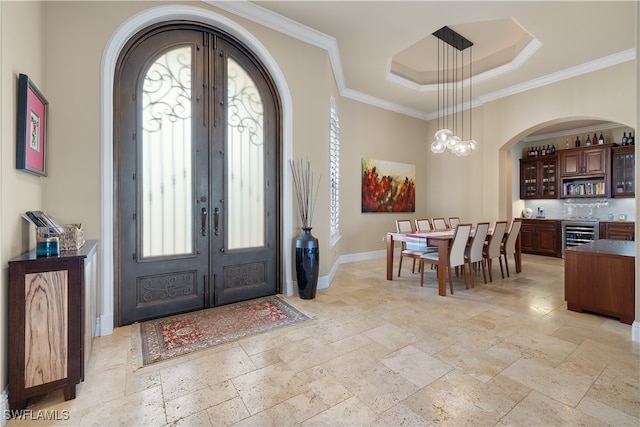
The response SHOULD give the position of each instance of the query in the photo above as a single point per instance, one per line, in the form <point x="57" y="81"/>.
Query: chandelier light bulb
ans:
<point x="453" y="142"/>
<point x="438" y="147"/>
<point x="473" y="144"/>
<point x="463" y="148"/>
<point x="443" y="135"/>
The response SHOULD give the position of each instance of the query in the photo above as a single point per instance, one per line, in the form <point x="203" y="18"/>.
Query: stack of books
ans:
<point x="41" y="219"/>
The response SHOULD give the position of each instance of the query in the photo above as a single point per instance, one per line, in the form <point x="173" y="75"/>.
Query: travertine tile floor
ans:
<point x="385" y="353"/>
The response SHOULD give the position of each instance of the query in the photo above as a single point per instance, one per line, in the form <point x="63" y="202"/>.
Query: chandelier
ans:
<point x="451" y="47"/>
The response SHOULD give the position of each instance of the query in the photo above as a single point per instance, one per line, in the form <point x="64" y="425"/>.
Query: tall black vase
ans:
<point x="307" y="264"/>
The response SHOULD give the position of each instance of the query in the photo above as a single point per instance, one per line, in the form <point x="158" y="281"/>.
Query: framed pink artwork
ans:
<point x="31" y="144"/>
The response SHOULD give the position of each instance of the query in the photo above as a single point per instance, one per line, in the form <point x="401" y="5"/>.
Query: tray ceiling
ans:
<point x="383" y="53"/>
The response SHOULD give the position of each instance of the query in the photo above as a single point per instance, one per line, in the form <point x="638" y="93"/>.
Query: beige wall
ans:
<point x="457" y="186"/>
<point x="367" y="131"/>
<point x="22" y="51"/>
<point x="66" y="49"/>
<point x="76" y="35"/>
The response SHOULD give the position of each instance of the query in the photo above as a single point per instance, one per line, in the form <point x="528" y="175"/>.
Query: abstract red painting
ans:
<point x="388" y="186"/>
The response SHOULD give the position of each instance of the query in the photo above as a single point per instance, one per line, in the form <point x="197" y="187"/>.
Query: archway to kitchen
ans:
<point x="515" y="140"/>
<point x="561" y="132"/>
<point x="112" y="50"/>
<point x="509" y="199"/>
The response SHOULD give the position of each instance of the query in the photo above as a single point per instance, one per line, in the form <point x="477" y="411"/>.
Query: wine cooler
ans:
<point x="575" y="233"/>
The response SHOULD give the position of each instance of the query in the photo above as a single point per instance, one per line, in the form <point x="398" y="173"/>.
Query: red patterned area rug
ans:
<point x="169" y="337"/>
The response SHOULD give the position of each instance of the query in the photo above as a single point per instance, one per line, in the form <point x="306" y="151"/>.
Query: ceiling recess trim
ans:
<point x="520" y="59"/>
<point x="316" y="38"/>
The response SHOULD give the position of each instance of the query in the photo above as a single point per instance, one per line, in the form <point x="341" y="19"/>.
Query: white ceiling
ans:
<point x="362" y="37"/>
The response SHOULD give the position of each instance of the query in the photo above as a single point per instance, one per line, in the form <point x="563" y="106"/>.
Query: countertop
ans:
<point x="604" y="246"/>
<point x="579" y="220"/>
<point x="86" y="249"/>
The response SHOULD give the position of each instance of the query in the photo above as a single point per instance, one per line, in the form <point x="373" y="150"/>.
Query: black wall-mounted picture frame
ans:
<point x="31" y="134"/>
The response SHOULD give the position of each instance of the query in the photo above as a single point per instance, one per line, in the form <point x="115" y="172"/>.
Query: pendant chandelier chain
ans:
<point x="452" y="81"/>
<point x="462" y="97"/>
<point x="440" y="120"/>
<point x="470" y="93"/>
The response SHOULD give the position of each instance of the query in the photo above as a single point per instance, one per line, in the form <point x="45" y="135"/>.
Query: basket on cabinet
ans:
<point x="71" y="238"/>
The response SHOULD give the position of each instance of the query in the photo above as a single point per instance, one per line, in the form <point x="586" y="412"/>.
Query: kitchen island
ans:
<point x="599" y="277"/>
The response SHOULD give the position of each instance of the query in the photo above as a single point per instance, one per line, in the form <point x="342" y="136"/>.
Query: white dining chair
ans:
<point x="509" y="245"/>
<point x="492" y="248"/>
<point x="415" y="247"/>
<point x="439" y="224"/>
<point x="454" y="221"/>
<point x="473" y="253"/>
<point x="456" y="254"/>
<point x="423" y="225"/>
<point x="405" y="226"/>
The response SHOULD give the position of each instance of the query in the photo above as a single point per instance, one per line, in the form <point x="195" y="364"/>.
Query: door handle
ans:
<point x="216" y="217"/>
<point x="203" y="215"/>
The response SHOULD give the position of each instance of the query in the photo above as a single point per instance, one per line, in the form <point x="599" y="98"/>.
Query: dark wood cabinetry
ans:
<point x="539" y="178"/>
<point x="50" y="330"/>
<point x="617" y="230"/>
<point x="541" y="237"/>
<point x="585" y="171"/>
<point x="600" y="277"/>
<point x="584" y="161"/>
<point x="623" y="172"/>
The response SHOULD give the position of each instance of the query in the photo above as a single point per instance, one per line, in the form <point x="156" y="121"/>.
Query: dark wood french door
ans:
<point x="197" y="136"/>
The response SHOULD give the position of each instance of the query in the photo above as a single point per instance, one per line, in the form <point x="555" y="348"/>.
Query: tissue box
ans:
<point x="71" y="238"/>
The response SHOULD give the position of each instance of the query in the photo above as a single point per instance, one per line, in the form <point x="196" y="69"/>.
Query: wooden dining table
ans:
<point x="441" y="239"/>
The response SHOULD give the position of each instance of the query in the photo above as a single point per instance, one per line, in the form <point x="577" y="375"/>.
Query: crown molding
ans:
<point x="284" y="25"/>
<point x="378" y="102"/>
<point x="578" y="70"/>
<point x="306" y="34"/>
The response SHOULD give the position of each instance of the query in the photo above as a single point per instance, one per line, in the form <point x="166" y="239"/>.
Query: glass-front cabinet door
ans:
<point x="539" y="178"/>
<point x="549" y="179"/>
<point x="528" y="179"/>
<point x="623" y="172"/>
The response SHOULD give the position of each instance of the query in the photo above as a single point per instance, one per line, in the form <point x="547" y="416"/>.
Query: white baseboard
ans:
<point x="4" y="406"/>
<point x="362" y="256"/>
<point x="105" y="323"/>
<point x="635" y="331"/>
<point x="324" y="282"/>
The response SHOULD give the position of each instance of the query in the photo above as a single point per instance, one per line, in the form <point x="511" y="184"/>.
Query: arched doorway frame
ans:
<point x="507" y="173"/>
<point x="107" y="71"/>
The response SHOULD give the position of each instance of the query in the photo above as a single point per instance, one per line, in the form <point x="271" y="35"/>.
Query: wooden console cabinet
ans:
<point x="600" y="277"/>
<point x="542" y="237"/>
<point x="50" y="330"/>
